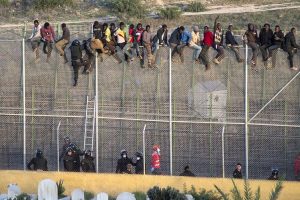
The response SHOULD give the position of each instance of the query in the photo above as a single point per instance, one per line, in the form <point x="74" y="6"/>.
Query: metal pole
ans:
<point x="96" y="113"/>
<point x="223" y="152"/>
<point x="24" y="104"/>
<point x="57" y="142"/>
<point x="170" y="112"/>
<point x="246" y="114"/>
<point x="144" y="149"/>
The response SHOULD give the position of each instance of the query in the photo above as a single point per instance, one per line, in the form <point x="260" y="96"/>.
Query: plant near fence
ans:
<point x="202" y="194"/>
<point x="157" y="193"/>
<point x="48" y="4"/>
<point x="195" y="7"/>
<point x="170" y="13"/>
<point x="60" y="189"/>
<point x="4" y="3"/>
<point x="88" y="195"/>
<point x="247" y="194"/>
<point x="132" y="8"/>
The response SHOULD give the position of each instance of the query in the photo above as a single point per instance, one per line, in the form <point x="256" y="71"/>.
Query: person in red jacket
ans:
<point x="48" y="37"/>
<point x="207" y="42"/>
<point x="297" y="167"/>
<point x="155" y="160"/>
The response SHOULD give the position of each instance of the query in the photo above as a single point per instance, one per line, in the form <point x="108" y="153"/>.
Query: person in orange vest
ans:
<point x="155" y="160"/>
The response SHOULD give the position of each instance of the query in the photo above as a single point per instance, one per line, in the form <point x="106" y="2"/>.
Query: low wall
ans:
<point x="114" y="184"/>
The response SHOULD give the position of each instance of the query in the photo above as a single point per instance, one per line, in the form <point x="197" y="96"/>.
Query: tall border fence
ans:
<point x="209" y="120"/>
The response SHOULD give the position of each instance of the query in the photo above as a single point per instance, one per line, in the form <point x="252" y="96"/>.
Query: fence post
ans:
<point x="24" y="103"/>
<point x="246" y="115"/>
<point x="96" y="113"/>
<point x="170" y="112"/>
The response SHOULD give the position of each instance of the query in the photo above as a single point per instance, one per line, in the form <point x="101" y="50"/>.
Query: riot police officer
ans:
<point x="39" y="162"/>
<point x="87" y="163"/>
<point x="123" y="162"/>
<point x="71" y="163"/>
<point x="139" y="164"/>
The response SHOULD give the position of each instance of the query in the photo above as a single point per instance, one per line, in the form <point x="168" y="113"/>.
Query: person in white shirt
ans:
<point x="35" y="38"/>
<point x="195" y="43"/>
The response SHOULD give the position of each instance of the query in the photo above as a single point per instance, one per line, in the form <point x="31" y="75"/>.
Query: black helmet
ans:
<point x="123" y="152"/>
<point x="76" y="43"/>
<point x="39" y="153"/>
<point x="88" y="153"/>
<point x="138" y="154"/>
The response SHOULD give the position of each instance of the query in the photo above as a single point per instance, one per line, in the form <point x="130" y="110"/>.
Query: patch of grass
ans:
<point x="170" y="13"/>
<point x="49" y="4"/>
<point x="132" y="8"/>
<point x="4" y="3"/>
<point x="139" y="195"/>
<point x="203" y="194"/>
<point x="88" y="195"/>
<point x="195" y="7"/>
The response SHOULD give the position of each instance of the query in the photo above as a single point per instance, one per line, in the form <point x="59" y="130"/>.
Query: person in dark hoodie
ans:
<point x="290" y="47"/>
<point x="251" y="38"/>
<point x="139" y="164"/>
<point x="123" y="163"/>
<point x="277" y="40"/>
<point x="265" y="41"/>
<point x="175" y="42"/>
<point x="39" y="162"/>
<point x="160" y="39"/>
<point x="232" y="44"/>
<point x="187" y="172"/>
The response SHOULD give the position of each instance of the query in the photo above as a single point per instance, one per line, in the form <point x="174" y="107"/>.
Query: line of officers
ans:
<point x="71" y="160"/>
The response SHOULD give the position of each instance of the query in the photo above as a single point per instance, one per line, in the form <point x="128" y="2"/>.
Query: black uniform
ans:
<point x="237" y="174"/>
<point x="77" y="60"/>
<point x="71" y="163"/>
<point x="289" y="45"/>
<point x="139" y="166"/>
<point x="122" y="165"/>
<point x="38" y="164"/>
<point x="187" y="172"/>
<point x="87" y="164"/>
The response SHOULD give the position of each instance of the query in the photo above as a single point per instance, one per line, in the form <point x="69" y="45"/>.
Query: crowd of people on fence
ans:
<point x="119" y="42"/>
<point x="70" y="156"/>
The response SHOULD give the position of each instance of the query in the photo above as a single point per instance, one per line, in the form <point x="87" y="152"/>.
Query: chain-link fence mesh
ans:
<point x="202" y="102"/>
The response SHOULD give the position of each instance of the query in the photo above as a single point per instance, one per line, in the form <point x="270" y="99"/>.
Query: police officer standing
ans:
<point x="39" y="162"/>
<point x="70" y="161"/>
<point x="87" y="163"/>
<point x="123" y="163"/>
<point x="139" y="164"/>
<point x="77" y="60"/>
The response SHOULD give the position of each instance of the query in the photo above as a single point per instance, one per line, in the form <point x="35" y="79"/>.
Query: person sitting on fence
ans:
<point x="138" y="40"/>
<point x="186" y="38"/>
<point x="38" y="162"/>
<point x="128" y="48"/>
<point x="250" y="38"/>
<point x="207" y="42"/>
<point x="147" y="45"/>
<point x="160" y="39"/>
<point x="265" y="41"/>
<point x="123" y="162"/>
<point x="290" y="46"/>
<point x="218" y="42"/>
<point x="139" y="164"/>
<point x="175" y="43"/>
<point x="108" y="42"/>
<point x="277" y="40"/>
<point x="63" y="41"/>
<point x="274" y="175"/>
<point x="232" y="44"/>
<point x="35" y="38"/>
<point x="195" y="43"/>
<point x="87" y="163"/>
<point x="96" y="42"/>
<point x="48" y="37"/>
<point x="297" y="168"/>
<point x="187" y="172"/>
<point x="237" y="173"/>
<point x="121" y="41"/>
<point x="77" y="60"/>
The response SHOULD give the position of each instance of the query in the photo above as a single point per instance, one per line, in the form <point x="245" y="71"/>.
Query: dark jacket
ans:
<point x="187" y="173"/>
<point x="66" y="34"/>
<point x="229" y="38"/>
<point x="76" y="54"/>
<point x="97" y="31"/>
<point x="161" y="36"/>
<point x="38" y="164"/>
<point x="265" y="37"/>
<point x="278" y="38"/>
<point x="251" y="36"/>
<point x="71" y="163"/>
<point x="237" y="174"/>
<point x="139" y="166"/>
<point x="87" y="164"/>
<point x="175" y="37"/>
<point x="122" y="165"/>
<point x="290" y="41"/>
